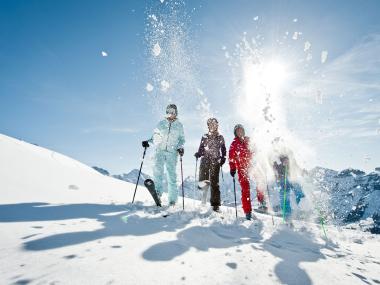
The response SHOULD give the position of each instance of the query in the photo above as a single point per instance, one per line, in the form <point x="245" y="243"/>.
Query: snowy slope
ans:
<point x="52" y="233"/>
<point x="32" y="173"/>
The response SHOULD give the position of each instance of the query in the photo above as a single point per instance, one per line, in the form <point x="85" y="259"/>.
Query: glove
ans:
<point x="145" y="144"/>
<point x="233" y="172"/>
<point x="222" y="160"/>
<point x="197" y="155"/>
<point x="181" y="151"/>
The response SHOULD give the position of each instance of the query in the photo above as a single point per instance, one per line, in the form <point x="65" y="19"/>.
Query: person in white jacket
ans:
<point x="169" y="139"/>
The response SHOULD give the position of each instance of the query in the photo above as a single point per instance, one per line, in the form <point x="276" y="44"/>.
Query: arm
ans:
<point x="157" y="136"/>
<point x="201" y="149"/>
<point x="223" y="147"/>
<point x="154" y="138"/>
<point x="181" y="137"/>
<point x="232" y="157"/>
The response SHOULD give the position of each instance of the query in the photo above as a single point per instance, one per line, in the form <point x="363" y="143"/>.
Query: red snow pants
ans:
<point x="246" y="191"/>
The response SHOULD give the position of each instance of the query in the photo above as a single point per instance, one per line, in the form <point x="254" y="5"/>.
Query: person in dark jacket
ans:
<point x="212" y="151"/>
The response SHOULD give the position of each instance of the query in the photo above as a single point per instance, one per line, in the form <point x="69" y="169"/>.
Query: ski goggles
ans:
<point x="171" y="111"/>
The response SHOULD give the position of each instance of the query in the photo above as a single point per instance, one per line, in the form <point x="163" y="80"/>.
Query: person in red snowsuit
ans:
<point x="240" y="157"/>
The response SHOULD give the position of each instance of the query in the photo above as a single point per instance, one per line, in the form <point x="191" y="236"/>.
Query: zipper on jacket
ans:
<point x="167" y="139"/>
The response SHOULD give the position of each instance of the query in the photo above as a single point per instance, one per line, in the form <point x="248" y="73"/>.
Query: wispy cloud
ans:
<point x="356" y="71"/>
<point x="350" y="83"/>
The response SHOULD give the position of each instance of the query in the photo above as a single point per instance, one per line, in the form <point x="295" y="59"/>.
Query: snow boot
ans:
<point x="262" y="208"/>
<point x="248" y="216"/>
<point x="216" y="209"/>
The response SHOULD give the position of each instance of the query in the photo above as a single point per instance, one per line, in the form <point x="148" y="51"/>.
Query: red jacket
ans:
<point x="240" y="154"/>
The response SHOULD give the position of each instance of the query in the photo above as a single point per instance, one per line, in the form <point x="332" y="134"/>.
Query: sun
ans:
<point x="263" y="89"/>
<point x="273" y="75"/>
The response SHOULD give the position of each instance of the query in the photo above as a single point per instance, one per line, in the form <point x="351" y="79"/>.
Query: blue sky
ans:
<point x="58" y="91"/>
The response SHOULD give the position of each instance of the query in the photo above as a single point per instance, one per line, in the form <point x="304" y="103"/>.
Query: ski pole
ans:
<point x="266" y="179"/>
<point x="183" y="193"/>
<point x="323" y="227"/>
<point x="284" y="205"/>
<point x="235" y="196"/>
<point x="138" y="177"/>
<point x="321" y="219"/>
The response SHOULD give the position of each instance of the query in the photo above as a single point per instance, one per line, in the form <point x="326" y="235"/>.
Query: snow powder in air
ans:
<point x="324" y="56"/>
<point x="149" y="87"/>
<point x="307" y="46"/>
<point x="156" y="49"/>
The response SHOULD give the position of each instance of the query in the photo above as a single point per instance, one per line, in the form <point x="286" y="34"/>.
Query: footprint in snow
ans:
<point x="23" y="281"/>
<point x="73" y="187"/>
<point x="232" y="265"/>
<point x="71" y="256"/>
<point x="29" y="236"/>
<point x="361" y="277"/>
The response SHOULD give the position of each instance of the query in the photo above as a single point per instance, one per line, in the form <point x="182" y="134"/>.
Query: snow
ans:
<point x="149" y="87"/>
<point x="156" y="49"/>
<point x="165" y="85"/>
<point x="319" y="97"/>
<point x="154" y="17"/>
<point x="52" y="233"/>
<point x="324" y="56"/>
<point x="307" y="46"/>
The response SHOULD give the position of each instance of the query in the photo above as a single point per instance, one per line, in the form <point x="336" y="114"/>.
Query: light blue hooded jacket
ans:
<point x="167" y="137"/>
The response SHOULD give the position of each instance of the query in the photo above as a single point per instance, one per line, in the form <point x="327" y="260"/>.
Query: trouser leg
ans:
<point x="285" y="199"/>
<point x="204" y="170"/>
<point x="204" y="174"/>
<point x="214" y="179"/>
<point x="260" y="196"/>
<point x="171" y="168"/>
<point x="158" y="171"/>
<point x="245" y="190"/>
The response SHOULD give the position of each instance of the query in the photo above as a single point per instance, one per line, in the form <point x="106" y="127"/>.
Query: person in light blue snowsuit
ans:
<point x="285" y="186"/>
<point x="169" y="139"/>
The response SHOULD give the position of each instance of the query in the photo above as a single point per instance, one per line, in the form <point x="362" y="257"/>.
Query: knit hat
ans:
<point x="212" y="120"/>
<point x="171" y="109"/>
<point x="239" y="126"/>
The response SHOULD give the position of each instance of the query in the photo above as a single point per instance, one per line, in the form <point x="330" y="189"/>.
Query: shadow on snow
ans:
<point x="116" y="220"/>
